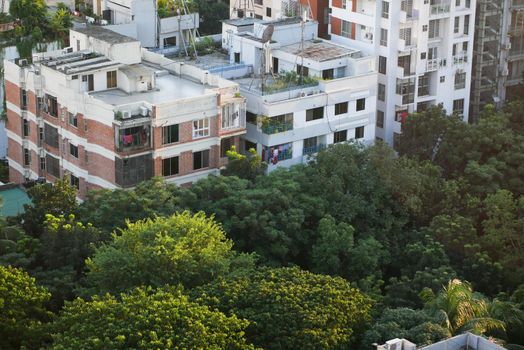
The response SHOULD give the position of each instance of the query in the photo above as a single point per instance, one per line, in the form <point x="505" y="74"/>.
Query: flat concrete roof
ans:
<point x="318" y="50"/>
<point x="168" y="88"/>
<point x="104" y="34"/>
<point x="78" y="62"/>
<point x="242" y="22"/>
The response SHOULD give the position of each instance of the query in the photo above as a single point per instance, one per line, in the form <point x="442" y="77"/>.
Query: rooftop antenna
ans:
<point x="302" y="25"/>
<point x="266" y="40"/>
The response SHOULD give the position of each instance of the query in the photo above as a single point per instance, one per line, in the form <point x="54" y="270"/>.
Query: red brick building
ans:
<point x="108" y="114"/>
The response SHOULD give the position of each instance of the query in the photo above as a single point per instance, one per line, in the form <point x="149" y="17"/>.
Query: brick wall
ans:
<point x="12" y="93"/>
<point x="336" y="25"/>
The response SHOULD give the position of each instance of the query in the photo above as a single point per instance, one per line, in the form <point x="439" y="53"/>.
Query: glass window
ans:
<point x="170" y="166"/>
<point x="170" y="134"/>
<point x="73" y="150"/>
<point x="383" y="37"/>
<point x="201" y="159"/>
<point x="380" y="119"/>
<point x="73" y="120"/>
<point x="75" y="181"/>
<point x="382" y="64"/>
<point x="361" y="104"/>
<point x="385" y="9"/>
<point x="340" y="136"/>
<point x="381" y="94"/>
<point x="200" y="128"/>
<point x="347" y="28"/>
<point x="314" y="114"/>
<point x="359" y="132"/>
<point x="341" y="108"/>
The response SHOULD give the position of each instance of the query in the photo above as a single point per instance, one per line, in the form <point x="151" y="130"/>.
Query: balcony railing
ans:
<point x="460" y="58"/>
<point x="136" y="139"/>
<point x="440" y="9"/>
<point x="432" y="64"/>
<point x="276" y="127"/>
<point x="313" y="149"/>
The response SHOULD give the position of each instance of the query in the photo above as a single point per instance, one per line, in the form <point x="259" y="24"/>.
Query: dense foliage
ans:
<point x="360" y="245"/>
<point x="146" y="319"/>
<point x="289" y="308"/>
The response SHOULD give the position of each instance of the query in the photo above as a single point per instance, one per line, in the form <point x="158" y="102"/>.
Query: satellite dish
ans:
<point x="268" y="33"/>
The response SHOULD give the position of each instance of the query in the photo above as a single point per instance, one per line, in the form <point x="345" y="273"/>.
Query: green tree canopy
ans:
<point x="186" y="249"/>
<point x="290" y="308"/>
<point x="413" y="325"/>
<point x="146" y="319"/>
<point x="22" y="311"/>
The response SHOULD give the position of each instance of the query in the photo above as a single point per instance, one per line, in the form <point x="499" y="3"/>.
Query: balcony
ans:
<point x="460" y="59"/>
<point x="432" y="65"/>
<point x="133" y="138"/>
<point x="272" y="127"/>
<point x="440" y="9"/>
<point x="307" y="151"/>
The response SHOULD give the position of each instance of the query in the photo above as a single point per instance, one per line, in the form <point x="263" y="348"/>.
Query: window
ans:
<point x="457" y="25"/>
<point x="231" y="116"/>
<point x="50" y="135"/>
<point x="170" y="166"/>
<point x="86" y="157"/>
<point x="406" y="88"/>
<point x="23" y="99"/>
<point x="225" y="145"/>
<point x="422" y="55"/>
<point x="405" y="34"/>
<point x="42" y="163"/>
<point x="237" y="57"/>
<point x="73" y="150"/>
<point x="458" y="107"/>
<point x="75" y="181"/>
<point x="200" y="159"/>
<point x="340" y="136"/>
<point x="466" y="24"/>
<point x="341" y="108"/>
<point x="275" y="65"/>
<point x="346" y="30"/>
<point x="85" y="124"/>
<point x="381" y="94"/>
<point x="442" y="78"/>
<point x="460" y="80"/>
<point x="361" y="104"/>
<point x="457" y="3"/>
<point x="423" y="85"/>
<point x="170" y="134"/>
<point x="27" y="157"/>
<point x="314" y="114"/>
<point x="73" y="120"/>
<point x="52" y="166"/>
<point x="382" y="64"/>
<point x="40" y="136"/>
<point x="268" y="11"/>
<point x="111" y="79"/>
<point x="25" y="128"/>
<point x="304" y="71"/>
<point x="200" y="128"/>
<point x="425" y="28"/>
<point x="380" y="119"/>
<point x="310" y="142"/>
<point x="51" y="105"/>
<point x="359" y="132"/>
<point x="383" y="37"/>
<point x="385" y="9"/>
<point x="434" y="26"/>
<point x="468" y="3"/>
<point x="328" y="74"/>
<point x="251" y="118"/>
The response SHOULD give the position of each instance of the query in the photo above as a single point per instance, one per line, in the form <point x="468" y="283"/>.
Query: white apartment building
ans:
<point x="141" y="20"/>
<point x="302" y="95"/>
<point x="424" y="53"/>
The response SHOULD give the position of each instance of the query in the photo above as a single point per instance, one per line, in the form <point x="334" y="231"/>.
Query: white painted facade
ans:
<point x="139" y="19"/>
<point x="424" y="51"/>
<point x="281" y="121"/>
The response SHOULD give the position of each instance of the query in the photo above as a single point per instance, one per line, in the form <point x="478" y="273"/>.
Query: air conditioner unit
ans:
<point x="22" y="62"/>
<point x="126" y="115"/>
<point x="42" y="152"/>
<point x="67" y="49"/>
<point x="368" y="36"/>
<point x="144" y="111"/>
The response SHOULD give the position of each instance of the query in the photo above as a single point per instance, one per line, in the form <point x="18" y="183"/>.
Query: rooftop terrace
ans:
<point x="168" y="88"/>
<point x="104" y="34"/>
<point x="319" y="50"/>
